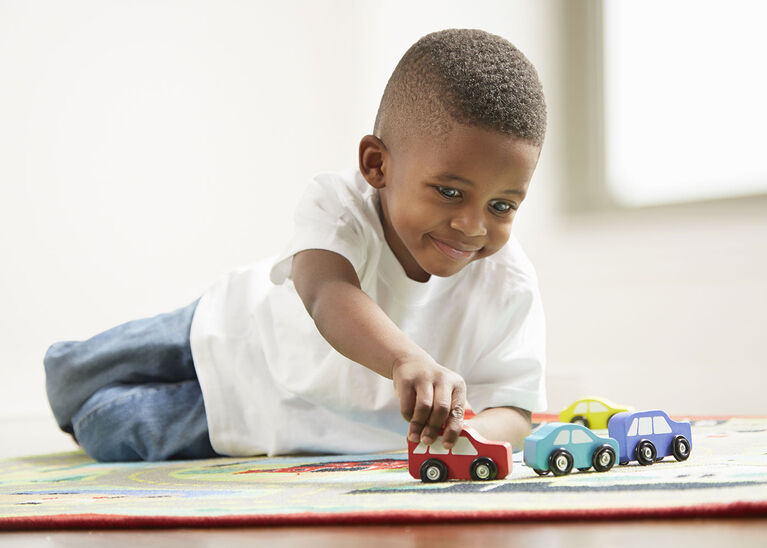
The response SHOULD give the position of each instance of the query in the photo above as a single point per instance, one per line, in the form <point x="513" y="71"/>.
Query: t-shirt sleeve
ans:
<point x="326" y="217"/>
<point x="511" y="372"/>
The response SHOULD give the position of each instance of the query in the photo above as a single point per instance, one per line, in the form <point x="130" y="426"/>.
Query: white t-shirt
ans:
<point x="272" y="384"/>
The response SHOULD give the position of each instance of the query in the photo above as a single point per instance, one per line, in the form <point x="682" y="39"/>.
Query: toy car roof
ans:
<point x="645" y="413"/>
<point x="548" y="428"/>
<point x="605" y="401"/>
<point x="623" y="419"/>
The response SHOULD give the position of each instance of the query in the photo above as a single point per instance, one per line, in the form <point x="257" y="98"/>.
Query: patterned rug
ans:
<point x="726" y="475"/>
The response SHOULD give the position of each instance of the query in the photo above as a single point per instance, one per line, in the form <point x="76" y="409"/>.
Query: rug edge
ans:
<point x="118" y="521"/>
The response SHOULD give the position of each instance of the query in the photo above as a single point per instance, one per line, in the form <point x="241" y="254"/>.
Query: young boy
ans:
<point x="419" y="300"/>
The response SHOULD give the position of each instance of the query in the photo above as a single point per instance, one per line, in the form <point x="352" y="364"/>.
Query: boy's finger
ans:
<point x="439" y="411"/>
<point x="407" y="403"/>
<point x="453" y="426"/>
<point x="421" y="411"/>
<point x="454" y="422"/>
<point x="414" y="432"/>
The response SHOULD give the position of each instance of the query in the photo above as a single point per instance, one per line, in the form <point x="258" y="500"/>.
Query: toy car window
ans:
<point x="436" y="447"/>
<point x="579" y="436"/>
<point x="597" y="407"/>
<point x="660" y="426"/>
<point x="645" y="426"/>
<point x="580" y="408"/>
<point x="464" y="447"/>
<point x="633" y="430"/>
<point x="420" y="449"/>
<point x="562" y="438"/>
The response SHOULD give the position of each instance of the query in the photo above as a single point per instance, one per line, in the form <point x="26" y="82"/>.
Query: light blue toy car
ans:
<point x="559" y="447"/>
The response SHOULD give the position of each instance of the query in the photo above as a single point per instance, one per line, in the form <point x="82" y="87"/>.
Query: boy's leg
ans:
<point x="152" y="422"/>
<point x="142" y="351"/>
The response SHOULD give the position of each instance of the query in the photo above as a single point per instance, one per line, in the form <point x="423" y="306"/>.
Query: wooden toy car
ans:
<point x="472" y="457"/>
<point x="559" y="447"/>
<point x="648" y="436"/>
<point x="592" y="413"/>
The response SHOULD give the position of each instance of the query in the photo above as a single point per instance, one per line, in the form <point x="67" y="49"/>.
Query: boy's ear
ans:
<point x="373" y="156"/>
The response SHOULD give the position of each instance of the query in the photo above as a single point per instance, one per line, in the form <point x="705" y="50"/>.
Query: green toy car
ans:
<point x="559" y="447"/>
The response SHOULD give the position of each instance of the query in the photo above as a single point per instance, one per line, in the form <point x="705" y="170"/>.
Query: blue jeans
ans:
<point x="131" y="393"/>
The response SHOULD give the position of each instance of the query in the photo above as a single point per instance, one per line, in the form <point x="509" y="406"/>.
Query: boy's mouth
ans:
<point x="454" y="250"/>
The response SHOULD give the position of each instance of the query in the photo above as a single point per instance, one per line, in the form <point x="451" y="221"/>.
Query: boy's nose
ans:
<point x="470" y="224"/>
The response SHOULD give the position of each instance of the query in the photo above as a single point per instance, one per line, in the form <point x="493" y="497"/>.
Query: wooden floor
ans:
<point x="39" y="435"/>
<point x="744" y="533"/>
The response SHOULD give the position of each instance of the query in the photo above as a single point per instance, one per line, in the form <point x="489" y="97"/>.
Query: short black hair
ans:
<point x="464" y="76"/>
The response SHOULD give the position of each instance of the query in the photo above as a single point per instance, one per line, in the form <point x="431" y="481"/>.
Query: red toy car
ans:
<point x="472" y="457"/>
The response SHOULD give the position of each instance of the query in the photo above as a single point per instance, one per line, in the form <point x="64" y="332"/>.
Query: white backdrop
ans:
<point x="148" y="146"/>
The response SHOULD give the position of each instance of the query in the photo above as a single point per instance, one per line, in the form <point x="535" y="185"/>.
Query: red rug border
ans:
<point x="116" y="521"/>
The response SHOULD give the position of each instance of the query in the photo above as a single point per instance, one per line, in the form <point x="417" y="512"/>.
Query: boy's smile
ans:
<point x="450" y="201"/>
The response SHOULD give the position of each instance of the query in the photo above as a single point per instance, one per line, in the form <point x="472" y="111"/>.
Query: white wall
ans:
<point x="146" y="147"/>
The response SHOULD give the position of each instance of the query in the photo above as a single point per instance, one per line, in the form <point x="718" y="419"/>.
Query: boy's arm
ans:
<point x="430" y="395"/>
<point x="510" y="424"/>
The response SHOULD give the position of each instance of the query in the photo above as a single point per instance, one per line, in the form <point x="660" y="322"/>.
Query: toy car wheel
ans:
<point x="580" y="419"/>
<point x="541" y="472"/>
<point x="560" y="462"/>
<point x="483" y="469"/>
<point x="603" y="459"/>
<point x="645" y="453"/>
<point x="680" y="448"/>
<point x="433" y="470"/>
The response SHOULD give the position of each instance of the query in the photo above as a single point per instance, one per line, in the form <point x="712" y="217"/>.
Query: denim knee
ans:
<point x="100" y="426"/>
<point x="150" y="422"/>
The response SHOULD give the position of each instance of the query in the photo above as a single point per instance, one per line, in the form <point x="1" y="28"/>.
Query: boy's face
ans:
<point x="448" y="202"/>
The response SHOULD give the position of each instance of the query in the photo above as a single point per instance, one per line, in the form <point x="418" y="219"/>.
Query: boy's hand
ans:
<point x="430" y="396"/>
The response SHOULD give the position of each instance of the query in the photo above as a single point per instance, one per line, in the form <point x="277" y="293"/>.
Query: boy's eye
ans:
<point x="501" y="207"/>
<point x="448" y="192"/>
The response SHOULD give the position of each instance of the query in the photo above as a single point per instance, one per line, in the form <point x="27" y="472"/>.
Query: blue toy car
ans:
<point x="648" y="436"/>
<point x="559" y="447"/>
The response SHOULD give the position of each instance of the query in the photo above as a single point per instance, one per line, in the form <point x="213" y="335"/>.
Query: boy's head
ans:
<point x="463" y="76"/>
<point x="455" y="143"/>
